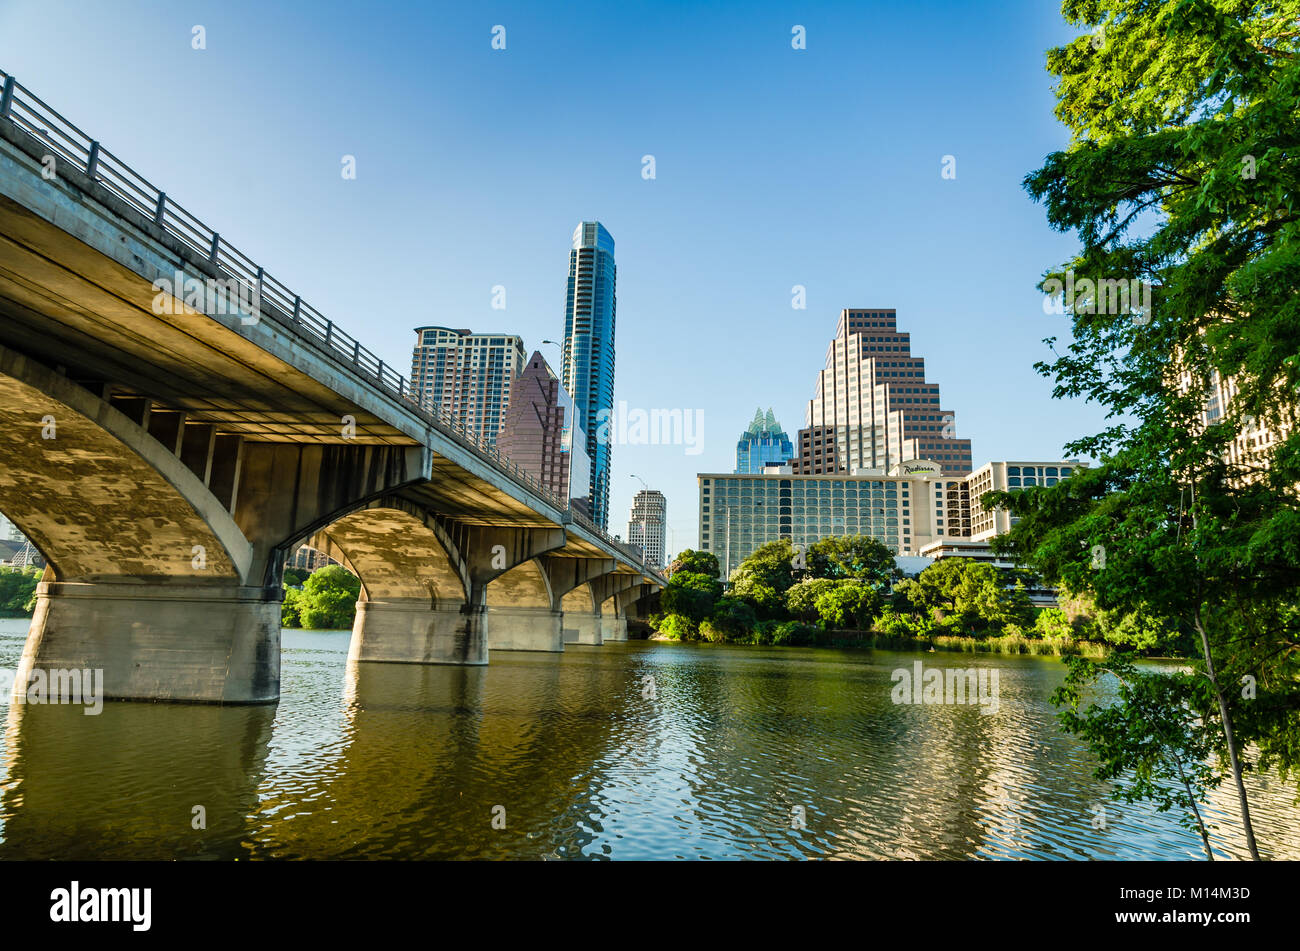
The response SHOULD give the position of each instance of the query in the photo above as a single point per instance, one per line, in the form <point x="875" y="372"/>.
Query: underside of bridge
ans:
<point x="165" y="461"/>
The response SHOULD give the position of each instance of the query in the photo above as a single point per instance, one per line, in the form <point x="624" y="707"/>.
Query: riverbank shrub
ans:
<point x="795" y="634"/>
<point x="849" y="604"/>
<point x="732" y="619"/>
<point x="675" y="627"/>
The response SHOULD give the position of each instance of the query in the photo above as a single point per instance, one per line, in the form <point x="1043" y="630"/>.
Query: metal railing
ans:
<point x="20" y="107"/>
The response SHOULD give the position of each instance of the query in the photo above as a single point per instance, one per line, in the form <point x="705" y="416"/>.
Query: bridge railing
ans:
<point x="66" y="142"/>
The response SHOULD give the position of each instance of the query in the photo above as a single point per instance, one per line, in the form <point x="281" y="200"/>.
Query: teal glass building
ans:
<point x="763" y="443"/>
<point x="588" y="372"/>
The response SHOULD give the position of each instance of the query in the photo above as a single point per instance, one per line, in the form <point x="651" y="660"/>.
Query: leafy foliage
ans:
<point x="967" y="596"/>
<point x="1180" y="173"/>
<point x="691" y="595"/>
<point x="327" y="600"/>
<point x="801" y="598"/>
<point x="849" y="604"/>
<point x="853" y="556"/>
<point x="18" y="591"/>
<point x="1156" y="743"/>
<point x="696" y="562"/>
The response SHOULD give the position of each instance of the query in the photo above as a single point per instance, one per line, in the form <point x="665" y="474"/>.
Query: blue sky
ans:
<point x="774" y="167"/>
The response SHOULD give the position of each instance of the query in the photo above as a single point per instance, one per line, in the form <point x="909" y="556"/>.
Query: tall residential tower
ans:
<point x="588" y="372"/>
<point x="646" y="524"/>
<point x="466" y="375"/>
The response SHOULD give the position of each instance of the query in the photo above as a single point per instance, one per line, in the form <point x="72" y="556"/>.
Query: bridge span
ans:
<point x="174" y="422"/>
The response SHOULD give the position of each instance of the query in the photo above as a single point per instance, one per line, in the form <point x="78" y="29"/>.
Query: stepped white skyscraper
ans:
<point x="873" y="400"/>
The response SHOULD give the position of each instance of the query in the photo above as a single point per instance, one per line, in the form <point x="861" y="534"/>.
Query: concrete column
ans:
<point x="193" y="643"/>
<point x="410" y="631"/>
<point x="581" y="627"/>
<point x="613" y="628"/>
<point x="524" y="629"/>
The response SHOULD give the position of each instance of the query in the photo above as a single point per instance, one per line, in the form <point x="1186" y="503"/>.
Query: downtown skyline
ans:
<point x="460" y="193"/>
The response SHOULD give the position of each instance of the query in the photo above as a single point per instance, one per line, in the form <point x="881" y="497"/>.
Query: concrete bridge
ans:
<point x="174" y="422"/>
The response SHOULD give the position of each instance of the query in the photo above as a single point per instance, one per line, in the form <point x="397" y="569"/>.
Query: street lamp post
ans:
<point x="560" y="348"/>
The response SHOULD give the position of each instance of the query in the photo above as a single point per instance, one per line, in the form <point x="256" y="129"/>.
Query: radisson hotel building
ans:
<point x="916" y="510"/>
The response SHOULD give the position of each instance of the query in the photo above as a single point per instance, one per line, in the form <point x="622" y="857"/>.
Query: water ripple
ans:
<point x="740" y="753"/>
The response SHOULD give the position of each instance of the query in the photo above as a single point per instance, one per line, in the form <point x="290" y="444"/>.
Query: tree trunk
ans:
<point x="1228" y="737"/>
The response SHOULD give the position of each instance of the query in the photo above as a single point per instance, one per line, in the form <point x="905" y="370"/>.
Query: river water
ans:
<point x="740" y="753"/>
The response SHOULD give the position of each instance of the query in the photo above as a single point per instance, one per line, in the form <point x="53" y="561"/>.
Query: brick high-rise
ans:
<point x="541" y="435"/>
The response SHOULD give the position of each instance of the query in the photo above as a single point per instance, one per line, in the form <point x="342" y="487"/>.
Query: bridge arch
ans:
<point x="526" y="585"/>
<point x="580" y="599"/>
<point x="102" y="499"/>
<point x="399" y="552"/>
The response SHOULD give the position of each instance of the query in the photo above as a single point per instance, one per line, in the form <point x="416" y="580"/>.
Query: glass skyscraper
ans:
<point x="588" y="373"/>
<point x="763" y="443"/>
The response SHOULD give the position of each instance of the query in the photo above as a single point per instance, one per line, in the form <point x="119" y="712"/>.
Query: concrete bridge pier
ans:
<point x="432" y="588"/>
<point x="160" y="641"/>
<point x="530" y="605"/>
<point x="410" y="631"/>
<point x="613" y="628"/>
<point x="582" y="627"/>
<point x="514" y="628"/>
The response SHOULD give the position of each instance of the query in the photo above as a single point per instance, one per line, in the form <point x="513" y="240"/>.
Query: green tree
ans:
<point x="849" y="604"/>
<point x="854" y="556"/>
<point x="18" y="591"/>
<point x="771" y="565"/>
<point x="764" y="577"/>
<point x="691" y="594"/>
<point x="1141" y="629"/>
<point x="294" y="577"/>
<point x="801" y="598"/>
<point x="1180" y="173"/>
<point x="732" y="619"/>
<point x="968" y="595"/>
<point x="291" y="608"/>
<point x="677" y="627"/>
<point x="1052" y="622"/>
<point x="329" y="599"/>
<point x="1150" y="743"/>
<point x="696" y="562"/>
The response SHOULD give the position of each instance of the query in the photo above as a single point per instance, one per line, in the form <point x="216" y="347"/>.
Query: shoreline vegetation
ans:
<point x="846" y="595"/>
<point x="847" y="592"/>
<point x="1011" y="644"/>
